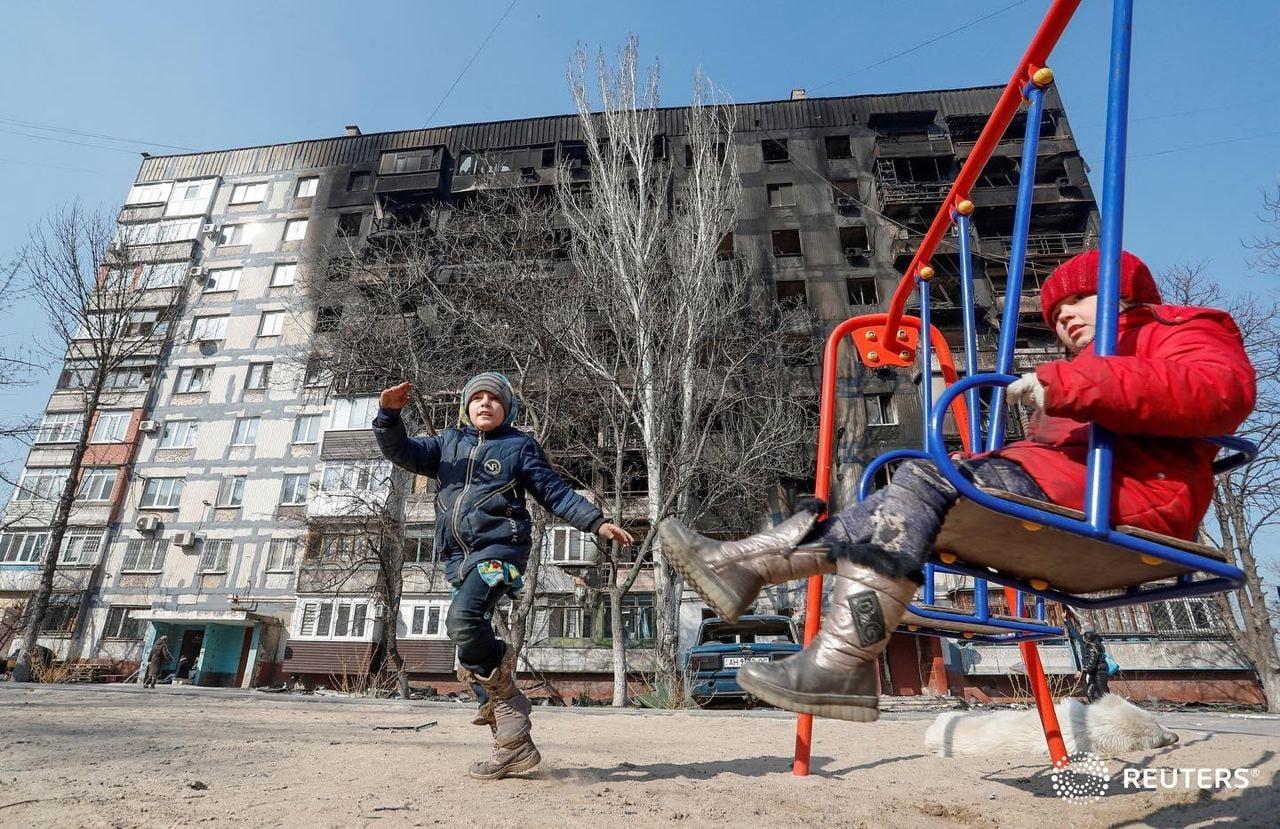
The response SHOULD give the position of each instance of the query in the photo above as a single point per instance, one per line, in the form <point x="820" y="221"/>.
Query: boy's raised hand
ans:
<point x="396" y="397"/>
<point x="615" y="533"/>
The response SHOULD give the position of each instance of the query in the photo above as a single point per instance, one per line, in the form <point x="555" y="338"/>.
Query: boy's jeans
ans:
<point x="469" y="625"/>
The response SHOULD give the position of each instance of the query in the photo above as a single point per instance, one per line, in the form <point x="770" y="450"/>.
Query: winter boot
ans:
<point x="513" y="748"/>
<point x="835" y="675"/>
<point x="729" y="575"/>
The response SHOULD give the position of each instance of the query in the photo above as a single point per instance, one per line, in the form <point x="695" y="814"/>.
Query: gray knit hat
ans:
<point x="494" y="383"/>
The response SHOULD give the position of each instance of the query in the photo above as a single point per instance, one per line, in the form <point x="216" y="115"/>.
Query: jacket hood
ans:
<point x="512" y="411"/>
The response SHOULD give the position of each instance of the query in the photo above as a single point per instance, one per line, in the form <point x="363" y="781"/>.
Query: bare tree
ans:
<point x="109" y="307"/>
<point x="1246" y="502"/>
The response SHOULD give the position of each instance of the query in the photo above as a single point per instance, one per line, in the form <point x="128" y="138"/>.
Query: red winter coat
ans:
<point x="1180" y="373"/>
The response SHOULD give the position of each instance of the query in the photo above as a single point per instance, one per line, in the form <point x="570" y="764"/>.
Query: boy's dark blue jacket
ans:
<point x="481" y="481"/>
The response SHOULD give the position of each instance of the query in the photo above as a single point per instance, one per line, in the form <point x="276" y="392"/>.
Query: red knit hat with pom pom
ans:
<point x="1079" y="275"/>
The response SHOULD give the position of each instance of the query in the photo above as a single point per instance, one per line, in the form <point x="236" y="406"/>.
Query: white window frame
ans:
<point x="271" y="323"/>
<point x="97" y="483"/>
<point x="312" y="612"/>
<point x="427" y="617"/>
<point x="41" y="483"/>
<point x="569" y="545"/>
<point x="210" y="327"/>
<point x="284" y="274"/>
<point x="130" y="377"/>
<point x="23" y="546"/>
<point x="60" y="427"/>
<point x="163" y="275"/>
<point x="215" y="555"/>
<point x="186" y="429"/>
<point x="162" y="493"/>
<point x="250" y="193"/>
<point x="231" y="492"/>
<point x="282" y="554"/>
<point x="881" y="409"/>
<point x="154" y="193"/>
<point x="223" y="280"/>
<point x="117" y="617"/>
<point x="245" y="431"/>
<point x="237" y="234"/>
<point x="112" y="426"/>
<point x="311" y="432"/>
<point x="258" y="377"/>
<point x="306" y="188"/>
<point x="187" y="374"/>
<point x="341" y="477"/>
<point x="351" y="414"/>
<point x="295" y="230"/>
<point x="291" y="494"/>
<point x="144" y="555"/>
<point x="82" y="545"/>
<point x="182" y="202"/>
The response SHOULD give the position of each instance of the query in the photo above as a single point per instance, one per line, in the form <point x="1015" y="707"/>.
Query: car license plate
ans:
<point x="738" y="661"/>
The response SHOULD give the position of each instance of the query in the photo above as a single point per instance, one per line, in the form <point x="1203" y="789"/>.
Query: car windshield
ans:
<point x="746" y="633"/>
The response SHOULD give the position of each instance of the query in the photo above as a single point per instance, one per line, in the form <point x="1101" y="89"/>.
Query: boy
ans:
<point x="482" y="468"/>
<point x="1179" y="374"/>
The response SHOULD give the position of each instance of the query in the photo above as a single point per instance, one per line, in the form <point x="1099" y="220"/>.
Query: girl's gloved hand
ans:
<point x="1027" y="390"/>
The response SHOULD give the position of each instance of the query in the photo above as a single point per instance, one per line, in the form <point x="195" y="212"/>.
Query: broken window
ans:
<point x="855" y="244"/>
<point x="781" y="195"/>
<point x="863" y="291"/>
<point x="349" y="224"/>
<point x="328" y="318"/>
<point x="904" y="125"/>
<point x="574" y="153"/>
<point x="659" y="147"/>
<point x="838" y="146"/>
<point x="410" y="161"/>
<point x="791" y="293"/>
<point x="999" y="172"/>
<point x="787" y="243"/>
<point x="775" y="149"/>
<point x="724" y="250"/>
<point x="688" y="153"/>
<point x="359" y="181"/>
<point x="880" y="409"/>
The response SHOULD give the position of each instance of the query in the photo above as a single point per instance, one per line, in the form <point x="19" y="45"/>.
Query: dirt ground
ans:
<point x="103" y="756"/>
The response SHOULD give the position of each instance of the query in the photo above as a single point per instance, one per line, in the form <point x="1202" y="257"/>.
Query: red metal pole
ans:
<point x="1046" y="37"/>
<point x="1040" y="689"/>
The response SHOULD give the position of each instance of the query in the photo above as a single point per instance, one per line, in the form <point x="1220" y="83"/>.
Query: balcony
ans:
<point x="1039" y="244"/>
<point x="914" y="144"/>
<point x="912" y="192"/>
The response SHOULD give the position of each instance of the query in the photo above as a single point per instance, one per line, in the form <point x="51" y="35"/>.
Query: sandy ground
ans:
<point x="102" y="756"/>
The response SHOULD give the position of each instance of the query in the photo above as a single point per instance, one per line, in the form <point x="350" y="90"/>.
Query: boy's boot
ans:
<point x="835" y="675"/>
<point x="513" y="748"/>
<point x="730" y="575"/>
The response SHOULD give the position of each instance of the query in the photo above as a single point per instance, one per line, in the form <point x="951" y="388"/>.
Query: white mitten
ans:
<point x="1027" y="390"/>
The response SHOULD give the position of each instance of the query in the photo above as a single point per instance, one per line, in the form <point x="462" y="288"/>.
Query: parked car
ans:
<point x="711" y="666"/>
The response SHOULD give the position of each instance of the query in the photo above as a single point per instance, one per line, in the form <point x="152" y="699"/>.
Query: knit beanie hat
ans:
<point x="497" y="385"/>
<point x="1079" y="275"/>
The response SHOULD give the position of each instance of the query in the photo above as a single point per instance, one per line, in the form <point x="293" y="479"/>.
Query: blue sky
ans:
<point x="240" y="73"/>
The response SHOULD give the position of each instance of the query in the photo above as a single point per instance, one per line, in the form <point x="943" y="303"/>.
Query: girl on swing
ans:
<point x="1180" y="374"/>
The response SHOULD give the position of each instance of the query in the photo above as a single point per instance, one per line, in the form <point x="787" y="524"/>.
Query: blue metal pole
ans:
<point x="929" y="574"/>
<point x="1017" y="264"/>
<point x="926" y="361"/>
<point x="970" y="324"/>
<point x="981" y="600"/>
<point x="1097" y="496"/>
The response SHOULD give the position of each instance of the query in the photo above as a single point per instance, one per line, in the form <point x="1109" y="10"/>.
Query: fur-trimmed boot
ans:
<point x="513" y="748"/>
<point x="835" y="675"/>
<point x="729" y="575"/>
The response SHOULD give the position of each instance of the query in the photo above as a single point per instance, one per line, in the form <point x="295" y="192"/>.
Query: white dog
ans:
<point x="1108" y="727"/>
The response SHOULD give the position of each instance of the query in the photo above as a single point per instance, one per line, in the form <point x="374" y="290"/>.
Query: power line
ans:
<point x="52" y="166"/>
<point x="475" y="55"/>
<point x="71" y="131"/>
<point x="925" y="43"/>
<point x="1270" y="134"/>
<point x="68" y="141"/>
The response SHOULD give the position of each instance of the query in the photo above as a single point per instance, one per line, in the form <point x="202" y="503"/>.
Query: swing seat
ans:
<point x="1067" y="562"/>
<point x="1018" y="626"/>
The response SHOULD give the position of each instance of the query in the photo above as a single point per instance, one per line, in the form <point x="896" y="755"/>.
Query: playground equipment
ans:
<point x="1025" y="546"/>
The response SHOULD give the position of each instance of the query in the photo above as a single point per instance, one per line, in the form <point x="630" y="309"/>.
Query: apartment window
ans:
<point x="61" y="427"/>
<point x="146" y="324"/>
<point x="144" y="555"/>
<point x="271" y="324"/>
<point x="190" y="198"/>
<point x="236" y="235"/>
<point x="158" y="233"/>
<point x="231" y="491"/>
<point x="212" y="327"/>
<point x="349" y="224"/>
<point x="111" y="427"/>
<point x="135" y="377"/>
<point x="149" y="193"/>
<point x="193" y="379"/>
<point x="81" y="545"/>
<point x="284" y="274"/>
<point x="77" y="376"/>
<point x="294" y="491"/>
<point x="316" y="374"/>
<point x="786" y="243"/>
<point x="222" y="279"/>
<point x="355" y="476"/>
<point x="245" y="432"/>
<point x="856" y="245"/>
<point x="96" y="484"/>
<point x="838" y="146"/>
<point x="772" y="149"/>
<point x="60" y="618"/>
<point x="249" y="193"/>
<point x="334" y="620"/>
<point x="41" y="484"/>
<point x="162" y="493"/>
<point x="567" y="618"/>
<point x="306" y="187"/>
<point x="353" y="412"/>
<point x="881" y="410"/>
<point x="162" y="275"/>
<point x="179" y="434"/>
<point x="121" y="624"/>
<point x="282" y="554"/>
<point x="791" y="293"/>
<point x="23" y="547"/>
<point x="258" y="376"/>
<point x="295" y="230"/>
<point x="419" y="549"/>
<point x="328" y="318"/>
<point x="306" y="428"/>
<point x="359" y="182"/>
<point x="215" y="555"/>
<point x="781" y="195"/>
<point x="424" y="620"/>
<point x="567" y="545"/>
<point x="412" y="161"/>
<point x="863" y="291"/>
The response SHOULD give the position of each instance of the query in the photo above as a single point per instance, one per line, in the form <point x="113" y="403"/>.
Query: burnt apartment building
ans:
<point x="216" y="493"/>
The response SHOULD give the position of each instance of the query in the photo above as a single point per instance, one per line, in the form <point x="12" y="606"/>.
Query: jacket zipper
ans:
<point x="497" y="491"/>
<point x="471" y="465"/>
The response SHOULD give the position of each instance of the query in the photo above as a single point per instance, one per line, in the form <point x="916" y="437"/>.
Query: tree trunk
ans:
<point x="619" y="645"/>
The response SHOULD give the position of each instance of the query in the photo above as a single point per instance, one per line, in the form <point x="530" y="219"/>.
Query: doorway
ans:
<point x="192" y="642"/>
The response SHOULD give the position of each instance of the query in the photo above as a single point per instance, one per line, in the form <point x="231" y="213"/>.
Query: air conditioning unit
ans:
<point x="209" y="229"/>
<point x="195" y="272"/>
<point x="186" y="539"/>
<point x="846" y="203"/>
<point x="149" y="427"/>
<point x="147" y="524"/>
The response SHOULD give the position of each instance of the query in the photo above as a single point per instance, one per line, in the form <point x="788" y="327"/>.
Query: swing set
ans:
<point x="1027" y="547"/>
